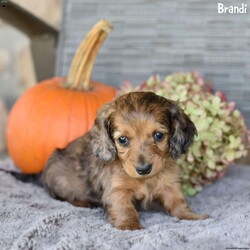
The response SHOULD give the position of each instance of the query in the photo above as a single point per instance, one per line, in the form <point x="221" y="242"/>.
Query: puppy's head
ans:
<point x="142" y="130"/>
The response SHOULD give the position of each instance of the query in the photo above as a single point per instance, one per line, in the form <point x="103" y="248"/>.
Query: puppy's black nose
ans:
<point x="144" y="169"/>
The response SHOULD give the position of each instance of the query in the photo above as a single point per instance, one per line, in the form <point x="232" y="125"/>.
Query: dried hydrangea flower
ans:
<point x="220" y="126"/>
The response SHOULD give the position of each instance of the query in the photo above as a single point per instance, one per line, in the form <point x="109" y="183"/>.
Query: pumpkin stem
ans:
<point x="79" y="77"/>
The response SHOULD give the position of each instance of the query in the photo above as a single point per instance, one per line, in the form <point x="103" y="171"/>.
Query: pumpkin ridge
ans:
<point x="75" y="100"/>
<point x="96" y="104"/>
<point x="52" y="87"/>
<point x="86" y="102"/>
<point x="46" y="143"/>
<point x="26" y="129"/>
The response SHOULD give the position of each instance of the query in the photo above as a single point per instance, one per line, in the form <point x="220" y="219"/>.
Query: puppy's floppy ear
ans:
<point x="182" y="132"/>
<point x="102" y="144"/>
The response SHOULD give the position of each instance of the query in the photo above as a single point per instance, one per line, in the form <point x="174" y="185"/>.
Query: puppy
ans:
<point x="128" y="157"/>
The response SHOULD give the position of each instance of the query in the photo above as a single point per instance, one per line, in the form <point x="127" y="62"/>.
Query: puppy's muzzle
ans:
<point x="144" y="169"/>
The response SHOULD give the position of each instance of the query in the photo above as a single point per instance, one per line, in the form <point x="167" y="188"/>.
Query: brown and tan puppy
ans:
<point x="128" y="157"/>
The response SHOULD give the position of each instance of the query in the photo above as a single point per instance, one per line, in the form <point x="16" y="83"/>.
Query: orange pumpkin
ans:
<point x="58" y="110"/>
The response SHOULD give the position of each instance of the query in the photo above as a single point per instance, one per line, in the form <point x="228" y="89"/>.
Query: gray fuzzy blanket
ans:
<point x="30" y="219"/>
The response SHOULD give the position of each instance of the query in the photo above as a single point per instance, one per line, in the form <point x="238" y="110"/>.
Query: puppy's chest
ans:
<point x="148" y="191"/>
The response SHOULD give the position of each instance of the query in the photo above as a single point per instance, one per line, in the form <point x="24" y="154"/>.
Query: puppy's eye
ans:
<point x="158" y="136"/>
<point x="123" y="140"/>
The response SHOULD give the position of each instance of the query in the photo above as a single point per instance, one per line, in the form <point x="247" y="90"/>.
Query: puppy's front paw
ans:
<point x="126" y="223"/>
<point x="193" y="216"/>
<point x="132" y="226"/>
<point x="182" y="211"/>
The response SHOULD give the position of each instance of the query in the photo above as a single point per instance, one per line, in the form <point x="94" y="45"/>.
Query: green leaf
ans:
<point x="211" y="164"/>
<point x="189" y="191"/>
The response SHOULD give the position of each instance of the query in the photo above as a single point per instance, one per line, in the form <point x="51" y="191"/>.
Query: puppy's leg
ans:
<point x="121" y="211"/>
<point x="174" y="203"/>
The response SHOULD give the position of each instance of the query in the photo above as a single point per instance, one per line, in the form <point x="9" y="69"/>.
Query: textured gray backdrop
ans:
<point x="164" y="36"/>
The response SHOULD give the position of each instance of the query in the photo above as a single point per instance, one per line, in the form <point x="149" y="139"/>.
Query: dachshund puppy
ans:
<point x="127" y="158"/>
